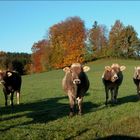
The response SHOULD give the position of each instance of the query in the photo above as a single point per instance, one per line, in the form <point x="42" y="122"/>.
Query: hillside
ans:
<point x="44" y="108"/>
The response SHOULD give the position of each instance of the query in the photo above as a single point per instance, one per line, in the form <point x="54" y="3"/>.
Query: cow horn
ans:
<point x="122" y="68"/>
<point x="9" y="73"/>
<point x="66" y="69"/>
<point x="86" y="68"/>
<point x="108" y="68"/>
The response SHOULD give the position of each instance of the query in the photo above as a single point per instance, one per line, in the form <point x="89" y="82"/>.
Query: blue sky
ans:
<point x="24" y="22"/>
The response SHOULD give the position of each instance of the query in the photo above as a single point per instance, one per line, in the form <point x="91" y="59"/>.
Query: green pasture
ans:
<point x="43" y="112"/>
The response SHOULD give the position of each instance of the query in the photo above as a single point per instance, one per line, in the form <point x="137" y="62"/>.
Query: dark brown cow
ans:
<point x="136" y="79"/>
<point x="75" y="83"/>
<point x="112" y="79"/>
<point x="11" y="82"/>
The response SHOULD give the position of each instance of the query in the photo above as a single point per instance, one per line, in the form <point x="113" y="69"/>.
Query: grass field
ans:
<point x="43" y="112"/>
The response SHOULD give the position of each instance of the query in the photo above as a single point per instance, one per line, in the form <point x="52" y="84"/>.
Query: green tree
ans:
<point x="114" y="38"/>
<point x="129" y="41"/>
<point x="98" y="38"/>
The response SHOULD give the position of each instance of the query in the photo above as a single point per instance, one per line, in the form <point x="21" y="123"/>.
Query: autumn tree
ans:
<point x="67" y="40"/>
<point x="39" y="55"/>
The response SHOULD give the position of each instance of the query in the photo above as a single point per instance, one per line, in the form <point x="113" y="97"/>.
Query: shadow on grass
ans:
<point x="127" y="99"/>
<point x="40" y="112"/>
<point x="123" y="100"/>
<point x="119" y="137"/>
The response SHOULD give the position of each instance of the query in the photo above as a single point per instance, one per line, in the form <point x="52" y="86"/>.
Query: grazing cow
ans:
<point x="11" y="82"/>
<point x="136" y="79"/>
<point x="75" y="83"/>
<point x="112" y="79"/>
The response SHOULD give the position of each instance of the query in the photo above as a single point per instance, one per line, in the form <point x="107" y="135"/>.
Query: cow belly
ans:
<point x="110" y="84"/>
<point x="82" y="89"/>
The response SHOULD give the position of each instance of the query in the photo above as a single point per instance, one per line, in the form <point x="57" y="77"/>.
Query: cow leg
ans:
<point x="72" y="103"/>
<point x="116" y="94"/>
<point x="138" y="90"/>
<point x="18" y="97"/>
<point x="11" y="99"/>
<point x="80" y="100"/>
<point x="106" y="91"/>
<point x="112" y="95"/>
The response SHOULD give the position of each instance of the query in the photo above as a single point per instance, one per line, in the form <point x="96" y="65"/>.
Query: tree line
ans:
<point x="69" y="41"/>
<point x="20" y="62"/>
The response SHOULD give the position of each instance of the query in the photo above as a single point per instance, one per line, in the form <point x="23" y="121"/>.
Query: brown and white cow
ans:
<point x="136" y="79"/>
<point x="112" y="79"/>
<point x="11" y="82"/>
<point x="75" y="83"/>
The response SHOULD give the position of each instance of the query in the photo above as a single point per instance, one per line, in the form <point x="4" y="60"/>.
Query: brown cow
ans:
<point x="11" y="81"/>
<point x="75" y="83"/>
<point x="112" y="79"/>
<point x="136" y="79"/>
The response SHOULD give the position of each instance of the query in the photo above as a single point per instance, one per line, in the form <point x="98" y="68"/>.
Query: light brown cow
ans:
<point x="112" y="79"/>
<point x="75" y="83"/>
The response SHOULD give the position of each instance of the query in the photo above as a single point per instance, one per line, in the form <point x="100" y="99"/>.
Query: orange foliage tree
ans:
<point x="67" y="40"/>
<point x="39" y="56"/>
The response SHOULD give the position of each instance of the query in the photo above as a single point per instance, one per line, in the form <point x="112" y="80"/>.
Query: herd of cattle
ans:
<point x="75" y="83"/>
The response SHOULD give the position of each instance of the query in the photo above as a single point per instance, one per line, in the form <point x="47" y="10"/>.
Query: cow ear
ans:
<point x="66" y="69"/>
<point x="108" y="68"/>
<point x="86" y="68"/>
<point x="122" y="68"/>
<point x="9" y="73"/>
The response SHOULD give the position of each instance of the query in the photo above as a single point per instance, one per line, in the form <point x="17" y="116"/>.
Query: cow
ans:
<point x="11" y="81"/>
<point x="112" y="78"/>
<point x="75" y="83"/>
<point x="136" y="79"/>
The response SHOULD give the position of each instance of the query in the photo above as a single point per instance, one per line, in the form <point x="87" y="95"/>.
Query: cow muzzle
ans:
<point x="114" y="78"/>
<point x="138" y="77"/>
<point x="76" y="81"/>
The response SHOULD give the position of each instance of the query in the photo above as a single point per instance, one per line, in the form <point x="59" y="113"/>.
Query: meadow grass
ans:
<point x="43" y="112"/>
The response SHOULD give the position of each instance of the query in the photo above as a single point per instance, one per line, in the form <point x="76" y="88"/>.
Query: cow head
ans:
<point x="4" y="75"/>
<point x="137" y="73"/>
<point x="74" y="71"/>
<point x="111" y="73"/>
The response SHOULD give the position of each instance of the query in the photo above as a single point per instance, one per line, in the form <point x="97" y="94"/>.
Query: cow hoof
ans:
<point x="106" y="103"/>
<point x="80" y="113"/>
<point x="138" y="96"/>
<point x="116" y="101"/>
<point x="71" y="114"/>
